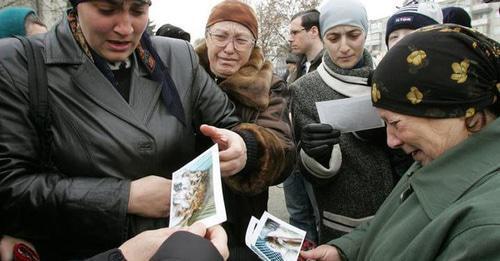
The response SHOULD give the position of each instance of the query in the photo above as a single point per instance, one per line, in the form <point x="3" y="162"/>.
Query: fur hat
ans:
<point x="341" y="12"/>
<point x="12" y="21"/>
<point x="235" y="11"/>
<point x="456" y="15"/>
<point x="414" y="16"/>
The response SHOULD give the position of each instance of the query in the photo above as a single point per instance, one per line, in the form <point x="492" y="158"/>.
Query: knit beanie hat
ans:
<point x="342" y="12"/>
<point x="413" y="17"/>
<point x="12" y="21"/>
<point x="235" y="11"/>
<point x="456" y="15"/>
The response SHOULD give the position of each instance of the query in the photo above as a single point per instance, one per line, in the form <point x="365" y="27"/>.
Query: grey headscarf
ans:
<point x="342" y="12"/>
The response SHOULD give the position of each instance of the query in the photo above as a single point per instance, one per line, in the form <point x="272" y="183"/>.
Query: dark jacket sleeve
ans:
<point x="111" y="255"/>
<point x="275" y="146"/>
<point x="180" y="246"/>
<point x="39" y="205"/>
<point x="186" y="246"/>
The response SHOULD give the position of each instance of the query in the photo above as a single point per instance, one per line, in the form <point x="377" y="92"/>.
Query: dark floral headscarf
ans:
<point x="439" y="71"/>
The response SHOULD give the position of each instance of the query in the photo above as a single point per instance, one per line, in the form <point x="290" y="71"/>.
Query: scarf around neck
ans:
<point x="147" y="56"/>
<point x="348" y="82"/>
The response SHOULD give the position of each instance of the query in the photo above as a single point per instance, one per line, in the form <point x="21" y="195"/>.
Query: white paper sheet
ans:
<point x="349" y="114"/>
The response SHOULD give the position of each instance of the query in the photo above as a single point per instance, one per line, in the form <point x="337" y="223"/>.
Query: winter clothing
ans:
<point x="456" y="15"/>
<point x="261" y="98"/>
<point x="340" y="12"/>
<point x="413" y="17"/>
<point x="447" y="210"/>
<point x="301" y="66"/>
<point x="359" y="176"/>
<point x="146" y="54"/>
<point x="235" y="11"/>
<point x="12" y="21"/>
<point x="100" y="143"/>
<point x="180" y="246"/>
<point x="454" y="78"/>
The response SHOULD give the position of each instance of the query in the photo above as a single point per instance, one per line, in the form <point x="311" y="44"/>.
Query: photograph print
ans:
<point x="197" y="192"/>
<point x="277" y="240"/>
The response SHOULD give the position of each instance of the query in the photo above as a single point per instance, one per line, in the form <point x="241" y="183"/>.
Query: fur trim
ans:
<point x="271" y="162"/>
<point x="251" y="84"/>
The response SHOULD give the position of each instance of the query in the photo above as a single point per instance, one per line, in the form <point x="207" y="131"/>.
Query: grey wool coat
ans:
<point x="100" y="143"/>
<point x="359" y="176"/>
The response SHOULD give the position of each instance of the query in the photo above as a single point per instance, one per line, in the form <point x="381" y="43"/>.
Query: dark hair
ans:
<point x="32" y="18"/>
<point x="309" y="17"/>
<point x="173" y="31"/>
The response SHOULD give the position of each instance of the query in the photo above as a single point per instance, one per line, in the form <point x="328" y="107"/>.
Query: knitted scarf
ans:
<point x="349" y="82"/>
<point x="147" y="55"/>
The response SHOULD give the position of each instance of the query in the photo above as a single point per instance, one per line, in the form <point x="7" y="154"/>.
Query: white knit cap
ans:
<point x="342" y="12"/>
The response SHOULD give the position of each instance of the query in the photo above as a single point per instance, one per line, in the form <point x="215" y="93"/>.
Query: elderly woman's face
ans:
<point x="229" y="47"/>
<point x="345" y="45"/>
<point x="424" y="138"/>
<point x="113" y="29"/>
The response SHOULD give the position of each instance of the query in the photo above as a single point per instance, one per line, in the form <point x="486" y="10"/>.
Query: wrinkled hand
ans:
<point x="232" y="149"/>
<point x="7" y="244"/>
<point x="144" y="245"/>
<point x="150" y="197"/>
<point x="322" y="253"/>
<point x="318" y="139"/>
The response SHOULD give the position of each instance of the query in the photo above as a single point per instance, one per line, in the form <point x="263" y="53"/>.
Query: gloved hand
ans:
<point x="317" y="141"/>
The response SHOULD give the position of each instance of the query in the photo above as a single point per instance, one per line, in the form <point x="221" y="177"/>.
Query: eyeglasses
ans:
<point x="295" y="32"/>
<point x="240" y="42"/>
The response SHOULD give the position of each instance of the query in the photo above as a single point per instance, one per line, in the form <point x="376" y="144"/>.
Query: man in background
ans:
<point x="305" y="42"/>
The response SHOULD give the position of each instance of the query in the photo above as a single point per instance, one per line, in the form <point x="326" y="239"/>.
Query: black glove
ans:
<point x="318" y="140"/>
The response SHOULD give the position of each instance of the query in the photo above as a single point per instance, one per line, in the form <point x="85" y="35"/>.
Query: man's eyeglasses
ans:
<point x="295" y="32"/>
<point x="240" y="42"/>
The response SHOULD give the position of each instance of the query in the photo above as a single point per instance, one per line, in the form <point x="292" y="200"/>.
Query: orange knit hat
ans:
<point x="235" y="11"/>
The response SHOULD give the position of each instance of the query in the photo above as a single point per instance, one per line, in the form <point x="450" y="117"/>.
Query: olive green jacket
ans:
<point x="447" y="210"/>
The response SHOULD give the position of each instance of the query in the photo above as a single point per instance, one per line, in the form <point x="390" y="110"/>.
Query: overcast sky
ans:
<point x="191" y="15"/>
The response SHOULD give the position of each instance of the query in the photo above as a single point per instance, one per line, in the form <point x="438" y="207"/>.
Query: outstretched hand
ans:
<point x="232" y="149"/>
<point x="322" y="253"/>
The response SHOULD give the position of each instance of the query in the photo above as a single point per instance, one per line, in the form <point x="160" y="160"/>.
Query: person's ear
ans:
<point x="314" y="29"/>
<point x="476" y="122"/>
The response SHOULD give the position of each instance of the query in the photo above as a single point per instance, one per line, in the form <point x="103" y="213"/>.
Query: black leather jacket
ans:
<point x="100" y="144"/>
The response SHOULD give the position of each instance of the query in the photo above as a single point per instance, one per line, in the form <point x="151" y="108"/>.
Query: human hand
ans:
<point x="218" y="237"/>
<point x="7" y="244"/>
<point x="232" y="149"/>
<point x="322" y="253"/>
<point x="150" y="197"/>
<point x="318" y="139"/>
<point x="144" y="245"/>
<point x="215" y="234"/>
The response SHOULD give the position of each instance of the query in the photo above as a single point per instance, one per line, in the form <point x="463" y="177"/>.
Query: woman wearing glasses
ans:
<point x="231" y="57"/>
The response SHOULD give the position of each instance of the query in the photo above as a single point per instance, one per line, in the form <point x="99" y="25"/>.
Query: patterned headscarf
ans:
<point x="439" y="71"/>
<point x="147" y="55"/>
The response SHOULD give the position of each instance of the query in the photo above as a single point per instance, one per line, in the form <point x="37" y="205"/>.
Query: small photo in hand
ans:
<point x="276" y="240"/>
<point x="196" y="193"/>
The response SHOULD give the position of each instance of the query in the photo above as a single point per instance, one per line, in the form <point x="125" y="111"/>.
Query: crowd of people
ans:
<point x="126" y="109"/>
